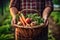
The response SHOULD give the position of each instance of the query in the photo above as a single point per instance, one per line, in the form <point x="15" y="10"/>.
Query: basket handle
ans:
<point x="28" y="10"/>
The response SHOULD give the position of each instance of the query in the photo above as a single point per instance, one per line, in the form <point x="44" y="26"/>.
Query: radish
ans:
<point x="28" y="20"/>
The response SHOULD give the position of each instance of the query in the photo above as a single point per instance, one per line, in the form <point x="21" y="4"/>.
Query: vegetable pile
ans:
<point x="29" y="20"/>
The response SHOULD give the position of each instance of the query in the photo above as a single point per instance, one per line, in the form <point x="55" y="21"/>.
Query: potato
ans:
<point x="19" y="23"/>
<point x="33" y="23"/>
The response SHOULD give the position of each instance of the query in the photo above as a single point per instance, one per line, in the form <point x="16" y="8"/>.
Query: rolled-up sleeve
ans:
<point x="14" y="3"/>
<point x="49" y="3"/>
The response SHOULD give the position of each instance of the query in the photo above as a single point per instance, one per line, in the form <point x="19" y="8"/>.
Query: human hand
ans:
<point x="13" y="21"/>
<point x="45" y="21"/>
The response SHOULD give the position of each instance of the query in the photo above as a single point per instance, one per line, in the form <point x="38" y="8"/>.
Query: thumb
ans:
<point x="46" y="22"/>
<point x="13" y="21"/>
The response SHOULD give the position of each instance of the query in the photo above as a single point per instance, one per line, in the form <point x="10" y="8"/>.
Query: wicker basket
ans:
<point x="27" y="32"/>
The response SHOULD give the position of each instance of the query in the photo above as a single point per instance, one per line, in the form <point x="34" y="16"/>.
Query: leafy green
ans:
<point x="35" y="17"/>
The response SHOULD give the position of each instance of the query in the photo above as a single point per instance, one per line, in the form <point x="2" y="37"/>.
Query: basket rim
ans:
<point x="37" y="26"/>
<point x="27" y="10"/>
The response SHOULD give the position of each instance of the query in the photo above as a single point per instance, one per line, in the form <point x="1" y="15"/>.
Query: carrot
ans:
<point x="22" y="21"/>
<point x="24" y="18"/>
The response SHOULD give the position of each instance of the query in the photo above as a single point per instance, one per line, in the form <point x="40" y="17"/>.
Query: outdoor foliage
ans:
<point x="50" y="36"/>
<point x="5" y="28"/>
<point x="56" y="2"/>
<point x="56" y="17"/>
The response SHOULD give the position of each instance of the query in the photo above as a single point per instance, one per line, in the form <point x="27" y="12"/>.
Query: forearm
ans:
<point x="46" y="12"/>
<point x="13" y="12"/>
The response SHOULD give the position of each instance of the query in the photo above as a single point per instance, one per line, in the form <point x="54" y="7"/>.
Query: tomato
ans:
<point x="28" y="20"/>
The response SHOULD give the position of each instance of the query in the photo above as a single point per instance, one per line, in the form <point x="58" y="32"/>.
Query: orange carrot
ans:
<point x="22" y="21"/>
<point x="24" y="18"/>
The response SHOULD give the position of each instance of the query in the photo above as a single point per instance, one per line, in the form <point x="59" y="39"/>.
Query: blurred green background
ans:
<point x="5" y="20"/>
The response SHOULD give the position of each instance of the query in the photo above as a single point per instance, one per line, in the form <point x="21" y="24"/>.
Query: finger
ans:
<point x="46" y="23"/>
<point x="12" y="22"/>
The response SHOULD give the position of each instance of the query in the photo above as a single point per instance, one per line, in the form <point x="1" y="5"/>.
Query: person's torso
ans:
<point x="30" y="4"/>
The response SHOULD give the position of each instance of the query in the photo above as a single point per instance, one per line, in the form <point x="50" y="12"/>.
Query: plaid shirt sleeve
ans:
<point x="14" y="3"/>
<point x="48" y="3"/>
